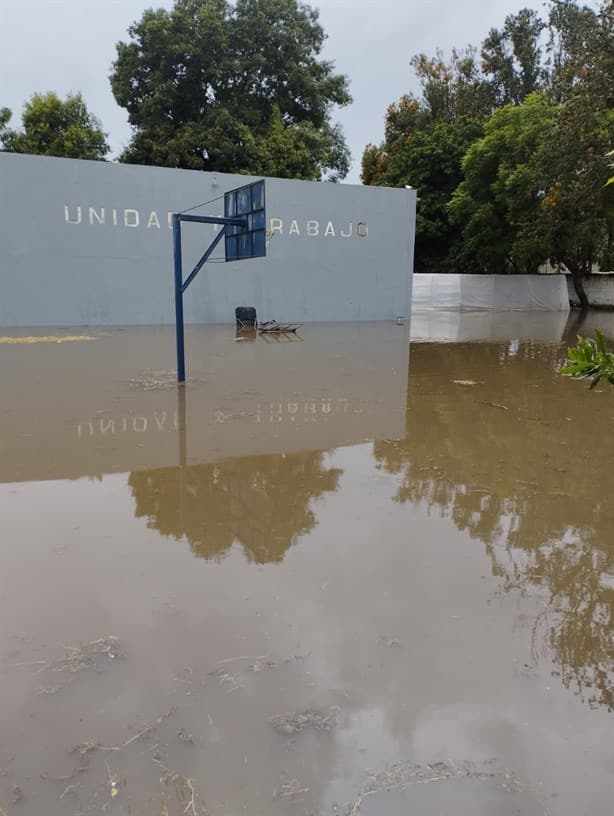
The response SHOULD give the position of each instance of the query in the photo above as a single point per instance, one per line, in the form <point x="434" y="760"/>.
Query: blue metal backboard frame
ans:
<point x="249" y="240"/>
<point x="243" y="226"/>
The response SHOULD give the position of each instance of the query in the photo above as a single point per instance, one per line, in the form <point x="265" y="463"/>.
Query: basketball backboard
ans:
<point x="248" y="240"/>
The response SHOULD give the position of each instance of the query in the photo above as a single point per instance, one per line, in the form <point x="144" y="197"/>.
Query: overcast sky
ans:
<point x="69" y="45"/>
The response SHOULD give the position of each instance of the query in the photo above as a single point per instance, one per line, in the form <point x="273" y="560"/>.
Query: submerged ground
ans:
<point x="330" y="577"/>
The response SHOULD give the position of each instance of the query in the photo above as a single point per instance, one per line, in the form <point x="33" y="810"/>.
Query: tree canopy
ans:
<point x="55" y="127"/>
<point x="498" y="201"/>
<point x="238" y="87"/>
<point x="528" y="128"/>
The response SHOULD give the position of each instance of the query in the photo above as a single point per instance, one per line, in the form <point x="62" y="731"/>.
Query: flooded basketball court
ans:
<point x="331" y="576"/>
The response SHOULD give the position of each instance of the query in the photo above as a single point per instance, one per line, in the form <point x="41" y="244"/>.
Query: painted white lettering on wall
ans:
<point x="153" y="220"/>
<point x="74" y="218"/>
<point x="313" y="228"/>
<point x="131" y="218"/>
<point x="97" y="216"/>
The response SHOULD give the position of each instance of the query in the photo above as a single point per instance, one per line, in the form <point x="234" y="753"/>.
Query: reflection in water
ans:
<point x="521" y="463"/>
<point x="263" y="502"/>
<point x="382" y="613"/>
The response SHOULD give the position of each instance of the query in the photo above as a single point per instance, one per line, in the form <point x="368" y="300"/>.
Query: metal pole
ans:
<point x="183" y="451"/>
<point x="178" y="298"/>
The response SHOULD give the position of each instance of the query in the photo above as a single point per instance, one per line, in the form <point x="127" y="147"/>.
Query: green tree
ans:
<point x="497" y="203"/>
<point x="433" y="165"/>
<point x="233" y="88"/>
<point x="425" y="140"/>
<point x="577" y="217"/>
<point x="55" y="127"/>
<point x="455" y="88"/>
<point x="524" y="177"/>
<point x="534" y="190"/>
<point x="512" y="58"/>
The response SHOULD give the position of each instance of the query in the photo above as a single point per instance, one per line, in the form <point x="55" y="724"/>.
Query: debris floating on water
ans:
<point x="48" y="338"/>
<point x="76" y="659"/>
<point x="155" y="381"/>
<point x="89" y="656"/>
<point x="292" y="789"/>
<point x="388" y="641"/>
<point x="403" y="774"/>
<point x="272" y="326"/>
<point x="291" y="723"/>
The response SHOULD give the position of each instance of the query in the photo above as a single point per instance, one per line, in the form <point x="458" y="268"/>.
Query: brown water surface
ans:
<point x="328" y="577"/>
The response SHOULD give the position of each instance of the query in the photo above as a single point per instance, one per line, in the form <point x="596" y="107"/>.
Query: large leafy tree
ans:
<point x="512" y="58"/>
<point x="433" y="165"/>
<point x="55" y="127"/>
<point x="427" y="135"/>
<point x="425" y="140"/>
<point x="529" y="129"/>
<point x="577" y="216"/>
<point x="535" y="186"/>
<point x="498" y="202"/>
<point x="233" y="88"/>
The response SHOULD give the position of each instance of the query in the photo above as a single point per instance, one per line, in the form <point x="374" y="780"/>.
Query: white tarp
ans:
<point x="499" y="292"/>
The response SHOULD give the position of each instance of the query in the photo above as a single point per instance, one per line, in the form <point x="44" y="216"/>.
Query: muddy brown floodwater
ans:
<point x="327" y="578"/>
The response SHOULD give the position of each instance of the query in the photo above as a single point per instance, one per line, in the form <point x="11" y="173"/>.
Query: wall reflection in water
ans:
<point x="519" y="458"/>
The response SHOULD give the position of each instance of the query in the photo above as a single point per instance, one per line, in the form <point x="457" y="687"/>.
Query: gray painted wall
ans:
<point x="89" y="243"/>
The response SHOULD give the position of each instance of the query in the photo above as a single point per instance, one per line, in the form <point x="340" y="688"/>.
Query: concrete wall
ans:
<point x="599" y="288"/>
<point x="89" y="243"/>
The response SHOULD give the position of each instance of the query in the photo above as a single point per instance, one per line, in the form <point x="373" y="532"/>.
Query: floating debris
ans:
<point x="113" y="782"/>
<point x="91" y="655"/>
<point x="403" y="774"/>
<point x="291" y="723"/>
<point x="155" y="381"/>
<point x="76" y="659"/>
<point x="388" y="641"/>
<point x="292" y="789"/>
<point x="261" y="665"/>
<point x="227" y="680"/>
<point x="186" y="793"/>
<point x="273" y="327"/>
<point x="48" y="338"/>
<point x="496" y="405"/>
<point x="185" y="737"/>
<point x="16" y="794"/>
<point x="87" y="747"/>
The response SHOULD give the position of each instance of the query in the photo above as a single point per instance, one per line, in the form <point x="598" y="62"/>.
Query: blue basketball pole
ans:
<point x="247" y="236"/>
<point x="178" y="297"/>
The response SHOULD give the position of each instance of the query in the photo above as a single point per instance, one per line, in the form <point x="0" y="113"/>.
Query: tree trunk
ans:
<point x="577" y="276"/>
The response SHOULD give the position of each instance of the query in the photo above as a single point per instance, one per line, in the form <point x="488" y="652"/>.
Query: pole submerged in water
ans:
<point x="178" y="298"/>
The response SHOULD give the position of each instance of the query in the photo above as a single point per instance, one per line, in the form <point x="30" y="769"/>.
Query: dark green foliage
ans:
<point x="232" y="88"/>
<point x="510" y="156"/>
<point x="497" y="203"/>
<point x="512" y="60"/>
<point x="55" y="127"/>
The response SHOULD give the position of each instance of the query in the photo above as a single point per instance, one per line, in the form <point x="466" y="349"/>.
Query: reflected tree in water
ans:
<point x="261" y="502"/>
<point x="510" y="459"/>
